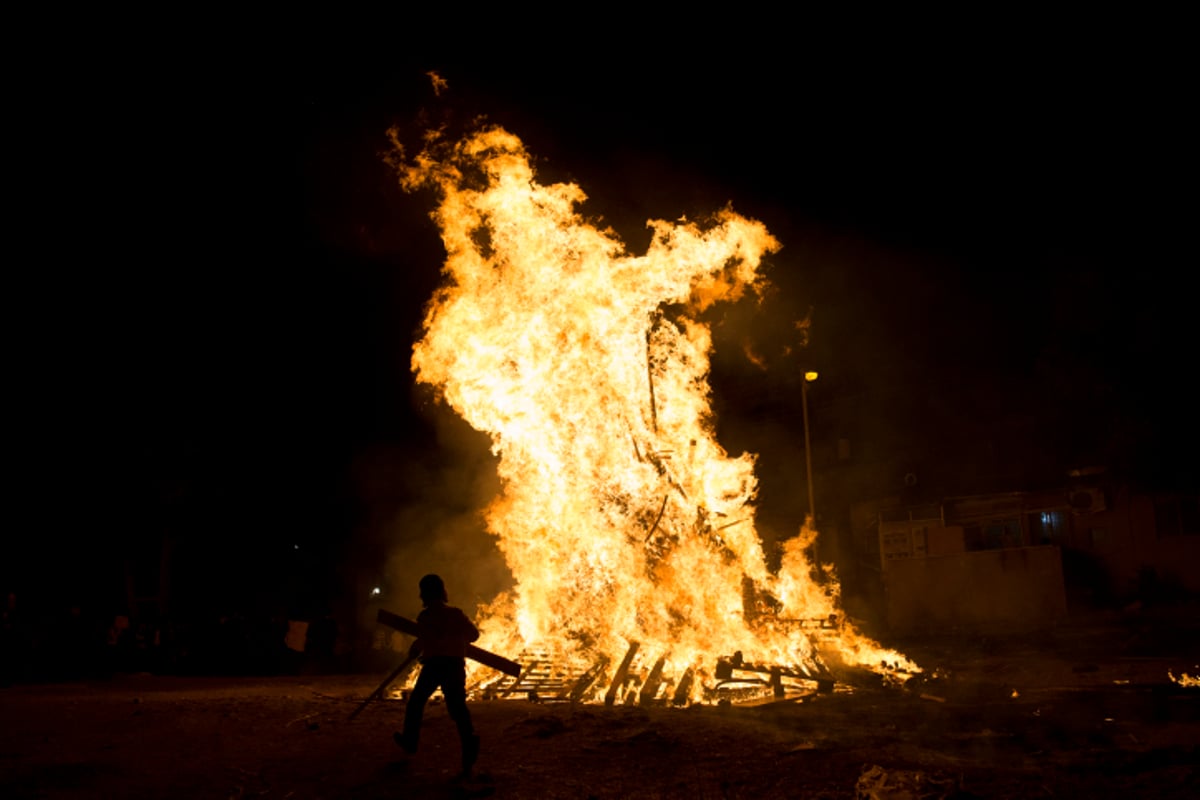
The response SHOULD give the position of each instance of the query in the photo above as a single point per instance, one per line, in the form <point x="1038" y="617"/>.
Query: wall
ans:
<point x="1123" y="538"/>
<point x="1013" y="589"/>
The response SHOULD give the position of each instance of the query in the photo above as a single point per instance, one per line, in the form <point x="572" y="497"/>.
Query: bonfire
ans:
<point x="638" y="571"/>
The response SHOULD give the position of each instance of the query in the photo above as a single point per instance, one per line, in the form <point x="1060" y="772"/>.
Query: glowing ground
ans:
<point x="1086" y="711"/>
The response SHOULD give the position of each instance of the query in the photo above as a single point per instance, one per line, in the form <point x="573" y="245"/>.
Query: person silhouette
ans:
<point x="445" y="632"/>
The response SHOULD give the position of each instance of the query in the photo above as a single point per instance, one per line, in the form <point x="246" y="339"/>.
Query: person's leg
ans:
<point x="414" y="710"/>
<point x="454" y="690"/>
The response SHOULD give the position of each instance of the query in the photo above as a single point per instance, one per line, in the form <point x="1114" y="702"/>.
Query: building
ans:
<point x="1023" y="560"/>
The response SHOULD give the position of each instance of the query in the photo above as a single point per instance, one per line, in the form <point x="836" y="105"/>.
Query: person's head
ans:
<point x="433" y="590"/>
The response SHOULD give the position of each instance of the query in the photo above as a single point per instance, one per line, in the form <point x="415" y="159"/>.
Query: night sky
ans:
<point x="990" y="242"/>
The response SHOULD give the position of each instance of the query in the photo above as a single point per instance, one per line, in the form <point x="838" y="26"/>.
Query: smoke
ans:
<point x="436" y="523"/>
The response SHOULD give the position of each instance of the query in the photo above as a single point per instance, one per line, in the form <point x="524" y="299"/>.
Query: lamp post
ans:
<point x="809" y="377"/>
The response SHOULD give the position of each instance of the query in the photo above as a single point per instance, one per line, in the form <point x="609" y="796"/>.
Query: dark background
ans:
<point x="988" y="231"/>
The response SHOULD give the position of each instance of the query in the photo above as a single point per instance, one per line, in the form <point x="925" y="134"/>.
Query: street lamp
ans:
<point x="809" y="377"/>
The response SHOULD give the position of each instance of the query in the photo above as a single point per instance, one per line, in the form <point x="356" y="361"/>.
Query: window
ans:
<point x="1047" y="527"/>
<point x="1005" y="533"/>
<point x="993" y="535"/>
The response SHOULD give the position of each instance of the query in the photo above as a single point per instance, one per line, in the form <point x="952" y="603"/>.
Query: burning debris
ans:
<point x="1184" y="679"/>
<point x="628" y="529"/>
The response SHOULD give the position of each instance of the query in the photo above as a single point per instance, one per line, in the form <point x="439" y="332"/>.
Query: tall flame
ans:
<point x="621" y="517"/>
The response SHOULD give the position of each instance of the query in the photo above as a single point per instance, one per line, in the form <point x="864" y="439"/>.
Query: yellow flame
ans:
<point x="1184" y="679"/>
<point x="438" y="82"/>
<point x="621" y="517"/>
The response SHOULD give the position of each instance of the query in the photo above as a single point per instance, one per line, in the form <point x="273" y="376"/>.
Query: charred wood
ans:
<point x="684" y="690"/>
<point x="727" y="666"/>
<point x="621" y="674"/>
<point x="588" y="679"/>
<point x="653" y="681"/>
<point x="662" y="509"/>
<point x="650" y="377"/>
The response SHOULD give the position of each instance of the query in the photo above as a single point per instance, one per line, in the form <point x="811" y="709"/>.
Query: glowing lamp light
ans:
<point x="810" y="376"/>
<point x="375" y="592"/>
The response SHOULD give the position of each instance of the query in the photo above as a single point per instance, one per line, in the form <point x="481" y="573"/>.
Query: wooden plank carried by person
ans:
<point x="379" y="690"/>
<point x="485" y="657"/>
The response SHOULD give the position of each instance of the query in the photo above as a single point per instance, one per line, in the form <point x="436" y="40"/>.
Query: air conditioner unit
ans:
<point x="1086" y="500"/>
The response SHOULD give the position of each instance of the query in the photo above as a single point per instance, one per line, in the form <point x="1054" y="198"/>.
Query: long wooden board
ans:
<point x="485" y="657"/>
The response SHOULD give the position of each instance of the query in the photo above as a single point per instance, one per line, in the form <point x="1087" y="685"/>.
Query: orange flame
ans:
<point x="621" y="517"/>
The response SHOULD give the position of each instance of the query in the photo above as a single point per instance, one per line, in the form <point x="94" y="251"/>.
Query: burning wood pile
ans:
<point x="634" y="681"/>
<point x="629" y="531"/>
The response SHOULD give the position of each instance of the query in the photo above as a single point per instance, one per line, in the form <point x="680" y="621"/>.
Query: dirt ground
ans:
<point x="1087" y="710"/>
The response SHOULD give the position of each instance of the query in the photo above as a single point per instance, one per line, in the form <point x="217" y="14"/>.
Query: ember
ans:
<point x="629" y="531"/>
<point x="1184" y="679"/>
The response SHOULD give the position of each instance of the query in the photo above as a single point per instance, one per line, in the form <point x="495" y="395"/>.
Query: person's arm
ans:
<point x="414" y="649"/>
<point x="470" y="632"/>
